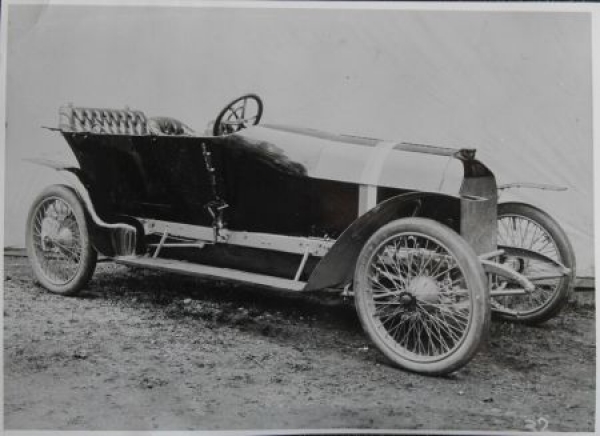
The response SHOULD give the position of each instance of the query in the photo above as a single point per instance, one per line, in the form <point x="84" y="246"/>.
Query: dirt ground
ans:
<point x="141" y="350"/>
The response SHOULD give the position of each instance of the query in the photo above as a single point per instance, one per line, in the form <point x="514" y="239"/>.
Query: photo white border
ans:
<point x="592" y="8"/>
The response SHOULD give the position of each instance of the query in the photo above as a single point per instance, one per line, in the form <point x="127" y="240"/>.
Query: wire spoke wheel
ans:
<point x="57" y="241"/>
<point x="420" y="300"/>
<point x="418" y="296"/>
<point x="523" y="226"/>
<point x="522" y="232"/>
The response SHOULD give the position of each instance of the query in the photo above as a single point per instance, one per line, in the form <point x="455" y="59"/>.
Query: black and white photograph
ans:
<point x="298" y="216"/>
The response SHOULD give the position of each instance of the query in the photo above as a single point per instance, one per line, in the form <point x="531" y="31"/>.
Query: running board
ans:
<point x="197" y="270"/>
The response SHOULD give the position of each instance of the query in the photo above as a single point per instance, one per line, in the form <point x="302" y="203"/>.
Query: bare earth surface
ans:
<point x="140" y="350"/>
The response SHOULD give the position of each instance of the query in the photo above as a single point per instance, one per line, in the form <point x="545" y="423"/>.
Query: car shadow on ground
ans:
<point x="278" y="314"/>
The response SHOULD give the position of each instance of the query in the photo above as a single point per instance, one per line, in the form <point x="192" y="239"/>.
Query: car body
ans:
<point x="303" y="210"/>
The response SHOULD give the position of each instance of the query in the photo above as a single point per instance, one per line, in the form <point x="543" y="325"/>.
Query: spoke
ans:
<point x="385" y="294"/>
<point x="537" y="234"/>
<point x="386" y="311"/>
<point x="447" y="307"/>
<point x="520" y="225"/>
<point x="440" y="334"/>
<point x="430" y="344"/>
<point x="447" y="328"/>
<point x="445" y="310"/>
<point x="393" y="313"/>
<point x="232" y="113"/>
<point x="38" y="221"/>
<point x="432" y="255"/>
<point x="445" y="271"/>
<point x="244" y="107"/>
<point x="407" y="333"/>
<point x="389" y="303"/>
<point x="419" y="333"/>
<point x="382" y="288"/>
<point x="393" y="277"/>
<point x="74" y="254"/>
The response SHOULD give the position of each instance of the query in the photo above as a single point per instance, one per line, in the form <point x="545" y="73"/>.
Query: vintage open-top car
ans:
<point x="414" y="232"/>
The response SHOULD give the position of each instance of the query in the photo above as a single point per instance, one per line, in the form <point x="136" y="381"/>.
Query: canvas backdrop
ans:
<point x="514" y="85"/>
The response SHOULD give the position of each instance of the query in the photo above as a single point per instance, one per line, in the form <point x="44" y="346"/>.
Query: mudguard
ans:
<point x="337" y="267"/>
<point x="528" y="185"/>
<point x="514" y="191"/>
<point x="102" y="233"/>
<point x="472" y="214"/>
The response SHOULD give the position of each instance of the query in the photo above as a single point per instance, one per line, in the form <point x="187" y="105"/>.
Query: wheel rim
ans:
<point x="57" y="242"/>
<point x="417" y="297"/>
<point x="522" y="232"/>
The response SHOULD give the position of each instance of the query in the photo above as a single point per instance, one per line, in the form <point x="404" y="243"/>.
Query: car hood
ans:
<point x="359" y="160"/>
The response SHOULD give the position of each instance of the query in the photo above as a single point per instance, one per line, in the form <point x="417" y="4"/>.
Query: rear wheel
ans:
<point x="421" y="296"/>
<point x="523" y="226"/>
<point x="58" y="242"/>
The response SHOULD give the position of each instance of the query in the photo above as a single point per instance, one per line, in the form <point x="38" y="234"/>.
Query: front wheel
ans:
<point x="524" y="226"/>
<point x="58" y="242"/>
<point x="421" y="296"/>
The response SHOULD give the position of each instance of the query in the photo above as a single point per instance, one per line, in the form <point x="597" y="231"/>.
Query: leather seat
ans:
<point x="120" y="122"/>
<point x="168" y="126"/>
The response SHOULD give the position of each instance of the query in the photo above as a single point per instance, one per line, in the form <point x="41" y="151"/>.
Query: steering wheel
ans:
<point x="240" y="113"/>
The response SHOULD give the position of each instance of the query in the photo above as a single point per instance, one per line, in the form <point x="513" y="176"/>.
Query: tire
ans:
<point x="58" y="241"/>
<point x="430" y="321"/>
<point x="546" y="301"/>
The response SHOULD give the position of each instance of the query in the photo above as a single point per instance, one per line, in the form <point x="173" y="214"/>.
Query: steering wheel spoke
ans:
<point x="242" y="121"/>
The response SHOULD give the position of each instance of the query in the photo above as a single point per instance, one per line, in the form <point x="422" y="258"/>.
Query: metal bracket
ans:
<point x="302" y="263"/>
<point x="491" y="254"/>
<point x="507" y="292"/>
<point x="525" y="253"/>
<point x="347" y="292"/>
<point x="504" y="271"/>
<point x="162" y="242"/>
<point x="216" y="208"/>
<point x="217" y="205"/>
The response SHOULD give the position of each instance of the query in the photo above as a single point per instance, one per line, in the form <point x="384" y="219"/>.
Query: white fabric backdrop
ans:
<point x="517" y="86"/>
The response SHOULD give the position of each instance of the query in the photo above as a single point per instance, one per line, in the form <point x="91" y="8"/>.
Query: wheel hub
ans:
<point x="516" y="263"/>
<point x="64" y="236"/>
<point x="407" y="300"/>
<point x="52" y="232"/>
<point x="424" y="289"/>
